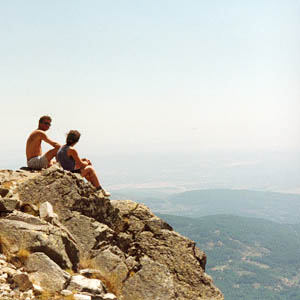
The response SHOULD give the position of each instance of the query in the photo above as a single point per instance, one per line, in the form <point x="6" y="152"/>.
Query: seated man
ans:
<point x="69" y="159"/>
<point x="35" y="159"/>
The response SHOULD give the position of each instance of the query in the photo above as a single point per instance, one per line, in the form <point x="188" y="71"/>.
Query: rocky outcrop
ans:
<point x="18" y="231"/>
<point x="45" y="272"/>
<point x="62" y="238"/>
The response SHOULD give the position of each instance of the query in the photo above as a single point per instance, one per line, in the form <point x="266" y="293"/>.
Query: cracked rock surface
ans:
<point x="91" y="247"/>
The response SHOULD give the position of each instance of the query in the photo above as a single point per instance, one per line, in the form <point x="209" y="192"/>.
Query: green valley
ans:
<point x="248" y="258"/>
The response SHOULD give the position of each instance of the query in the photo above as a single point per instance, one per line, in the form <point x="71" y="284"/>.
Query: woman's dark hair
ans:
<point x="73" y="137"/>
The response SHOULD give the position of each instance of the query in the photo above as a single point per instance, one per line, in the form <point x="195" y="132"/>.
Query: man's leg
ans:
<point x="50" y="154"/>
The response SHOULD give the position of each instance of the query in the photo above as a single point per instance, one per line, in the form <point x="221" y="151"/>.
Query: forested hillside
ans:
<point x="247" y="256"/>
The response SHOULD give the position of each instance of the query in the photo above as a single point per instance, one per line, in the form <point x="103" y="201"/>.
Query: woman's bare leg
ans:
<point x="90" y="174"/>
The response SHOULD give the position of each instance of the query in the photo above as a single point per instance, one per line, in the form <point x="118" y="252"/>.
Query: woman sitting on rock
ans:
<point x="69" y="159"/>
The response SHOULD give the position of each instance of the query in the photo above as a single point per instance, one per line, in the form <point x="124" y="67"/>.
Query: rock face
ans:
<point x="58" y="236"/>
<point x="45" y="272"/>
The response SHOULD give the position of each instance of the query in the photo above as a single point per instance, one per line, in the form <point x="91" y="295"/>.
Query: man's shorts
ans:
<point x="38" y="162"/>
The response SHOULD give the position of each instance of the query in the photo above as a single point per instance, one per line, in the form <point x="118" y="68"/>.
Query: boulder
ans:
<point x="22" y="281"/>
<point x="88" y="232"/>
<point x="155" y="239"/>
<point x="45" y="272"/>
<point x="68" y="192"/>
<point x="109" y="296"/>
<point x="80" y="283"/>
<point x="113" y="269"/>
<point x="152" y="281"/>
<point x="8" y="204"/>
<point x="46" y="211"/>
<point x="34" y="235"/>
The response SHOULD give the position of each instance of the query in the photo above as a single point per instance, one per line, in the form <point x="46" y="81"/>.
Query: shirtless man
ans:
<point x="35" y="159"/>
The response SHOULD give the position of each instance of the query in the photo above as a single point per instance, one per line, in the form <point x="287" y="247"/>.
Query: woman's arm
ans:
<point x="79" y="162"/>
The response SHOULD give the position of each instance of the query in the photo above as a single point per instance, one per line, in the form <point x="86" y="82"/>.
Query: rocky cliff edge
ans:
<point x="59" y="239"/>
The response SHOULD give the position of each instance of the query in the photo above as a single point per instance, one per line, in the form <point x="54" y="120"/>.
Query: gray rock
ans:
<point x="81" y="297"/>
<point x="156" y="240"/>
<point x="46" y="238"/>
<point x="152" y="281"/>
<point x="109" y="296"/>
<point x="90" y="273"/>
<point x="80" y="283"/>
<point x="26" y="218"/>
<point x="46" y="211"/>
<point x="22" y="281"/>
<point x="88" y="232"/>
<point x="45" y="272"/>
<point x="111" y="264"/>
<point x="38" y="290"/>
<point x="68" y="192"/>
<point x="66" y="293"/>
<point x="8" y="204"/>
<point x="9" y="180"/>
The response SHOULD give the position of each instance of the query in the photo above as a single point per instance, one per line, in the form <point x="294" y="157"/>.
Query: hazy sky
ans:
<point x="151" y="75"/>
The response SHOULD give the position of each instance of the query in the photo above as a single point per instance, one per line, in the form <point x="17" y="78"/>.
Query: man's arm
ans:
<point x="49" y="141"/>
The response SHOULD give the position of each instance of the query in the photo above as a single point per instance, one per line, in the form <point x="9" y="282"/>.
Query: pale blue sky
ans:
<point x="151" y="75"/>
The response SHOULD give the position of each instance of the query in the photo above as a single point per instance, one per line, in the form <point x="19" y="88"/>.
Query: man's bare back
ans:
<point x="33" y="145"/>
<point x="34" y="141"/>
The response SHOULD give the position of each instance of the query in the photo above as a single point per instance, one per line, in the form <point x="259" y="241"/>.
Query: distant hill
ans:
<point x="278" y="207"/>
<point x="247" y="256"/>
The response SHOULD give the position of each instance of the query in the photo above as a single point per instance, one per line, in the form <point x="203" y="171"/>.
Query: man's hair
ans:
<point x="73" y="137"/>
<point x="44" y="118"/>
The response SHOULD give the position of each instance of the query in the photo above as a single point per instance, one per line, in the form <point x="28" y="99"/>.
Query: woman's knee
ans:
<point x="90" y="170"/>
